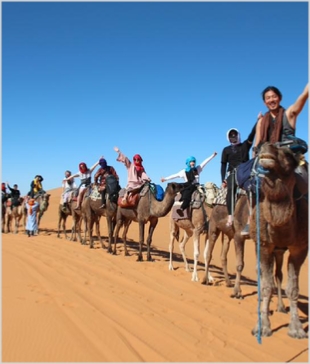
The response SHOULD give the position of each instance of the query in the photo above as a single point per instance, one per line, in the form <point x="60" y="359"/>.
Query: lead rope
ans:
<point x="259" y="172"/>
<point x="259" y="339"/>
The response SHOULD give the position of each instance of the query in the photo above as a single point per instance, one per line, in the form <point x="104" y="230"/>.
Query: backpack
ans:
<point x="245" y="178"/>
<point x="112" y="187"/>
<point x="159" y="193"/>
<point x="211" y="192"/>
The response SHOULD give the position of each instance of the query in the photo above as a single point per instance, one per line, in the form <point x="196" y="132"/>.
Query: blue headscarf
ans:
<point x="103" y="163"/>
<point x="188" y="160"/>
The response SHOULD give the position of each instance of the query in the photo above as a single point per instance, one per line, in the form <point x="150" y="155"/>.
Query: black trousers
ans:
<point x="186" y="196"/>
<point x="231" y="192"/>
<point x="103" y="192"/>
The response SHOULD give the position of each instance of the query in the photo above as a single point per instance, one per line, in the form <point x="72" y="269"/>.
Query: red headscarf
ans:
<point x="3" y="187"/>
<point x="137" y="161"/>
<point x="82" y="167"/>
<point x="30" y="203"/>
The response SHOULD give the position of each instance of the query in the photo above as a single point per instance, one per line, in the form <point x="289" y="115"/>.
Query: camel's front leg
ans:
<point x="153" y="224"/>
<point x="295" y="260"/>
<point x="278" y="255"/>
<point x="266" y="259"/>
<point x="207" y="254"/>
<point x="182" y="245"/>
<point x="117" y="228"/>
<point x="196" y="238"/>
<point x="125" y="231"/>
<point x="174" y="234"/>
<point x="141" y="240"/>
<point x="224" y="253"/>
<point x="239" y="250"/>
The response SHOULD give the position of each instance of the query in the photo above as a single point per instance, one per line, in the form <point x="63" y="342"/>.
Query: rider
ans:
<point x="232" y="156"/>
<point x="36" y="186"/>
<point x="4" y="194"/>
<point x="191" y="177"/>
<point x="136" y="175"/>
<point x="101" y="176"/>
<point x="85" y="176"/>
<point x="68" y="187"/>
<point x="15" y="194"/>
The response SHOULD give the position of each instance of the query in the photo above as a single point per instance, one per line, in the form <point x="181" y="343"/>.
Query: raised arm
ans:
<point x="122" y="158"/>
<point x="180" y="174"/>
<point x="294" y="110"/>
<point x="72" y="176"/>
<point x="206" y="161"/>
<point x="95" y="165"/>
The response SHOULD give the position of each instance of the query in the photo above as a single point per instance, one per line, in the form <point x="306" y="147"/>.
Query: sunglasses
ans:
<point x="137" y="160"/>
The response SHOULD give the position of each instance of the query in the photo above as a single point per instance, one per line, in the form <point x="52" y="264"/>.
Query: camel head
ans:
<point x="173" y="188"/>
<point x="279" y="160"/>
<point x="278" y="184"/>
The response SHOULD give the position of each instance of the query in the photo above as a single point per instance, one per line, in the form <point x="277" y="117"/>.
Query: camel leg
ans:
<point x="59" y="225"/>
<point x="110" y="230"/>
<point x="224" y="253"/>
<point x="117" y="228"/>
<point x="152" y="227"/>
<point x="98" y="232"/>
<point x="196" y="242"/>
<point x="124" y="237"/>
<point x="141" y="240"/>
<point x="279" y="255"/>
<point x="207" y="254"/>
<point x="64" y="226"/>
<point x="16" y="225"/>
<point x="174" y="234"/>
<point x="295" y="260"/>
<point x="182" y="244"/>
<point x="267" y="262"/>
<point x="39" y="219"/>
<point x="239" y="250"/>
<point x="73" y="231"/>
<point x="89" y="227"/>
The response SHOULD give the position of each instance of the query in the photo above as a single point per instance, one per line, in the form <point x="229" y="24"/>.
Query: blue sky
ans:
<point x="165" y="80"/>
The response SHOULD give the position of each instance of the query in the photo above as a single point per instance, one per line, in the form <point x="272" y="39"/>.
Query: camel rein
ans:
<point x="258" y="172"/>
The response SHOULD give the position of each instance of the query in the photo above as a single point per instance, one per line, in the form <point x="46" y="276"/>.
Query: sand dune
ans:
<point x="64" y="302"/>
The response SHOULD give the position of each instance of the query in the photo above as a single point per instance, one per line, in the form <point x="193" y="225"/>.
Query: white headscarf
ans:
<point x="238" y="136"/>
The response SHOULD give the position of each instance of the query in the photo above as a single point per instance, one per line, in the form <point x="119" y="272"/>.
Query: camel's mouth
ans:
<point x="267" y="160"/>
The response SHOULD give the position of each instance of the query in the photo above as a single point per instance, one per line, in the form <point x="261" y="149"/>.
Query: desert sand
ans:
<point x="65" y="302"/>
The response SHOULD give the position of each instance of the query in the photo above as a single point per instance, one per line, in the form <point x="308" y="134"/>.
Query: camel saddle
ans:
<point x="198" y="197"/>
<point x="131" y="200"/>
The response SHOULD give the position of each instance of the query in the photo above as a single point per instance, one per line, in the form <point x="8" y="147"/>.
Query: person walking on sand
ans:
<point x="31" y="223"/>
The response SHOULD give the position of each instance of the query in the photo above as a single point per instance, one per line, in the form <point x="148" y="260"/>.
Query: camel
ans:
<point x="78" y="216"/>
<point x="43" y="200"/>
<point x="194" y="225"/>
<point x="147" y="210"/>
<point x="93" y="211"/>
<point x="62" y="218"/>
<point x="5" y="197"/>
<point x="3" y="215"/>
<point x="217" y="224"/>
<point x="283" y="223"/>
<point x="13" y="213"/>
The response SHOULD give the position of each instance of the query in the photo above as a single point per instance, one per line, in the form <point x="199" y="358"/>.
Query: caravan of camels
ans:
<point x="281" y="213"/>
